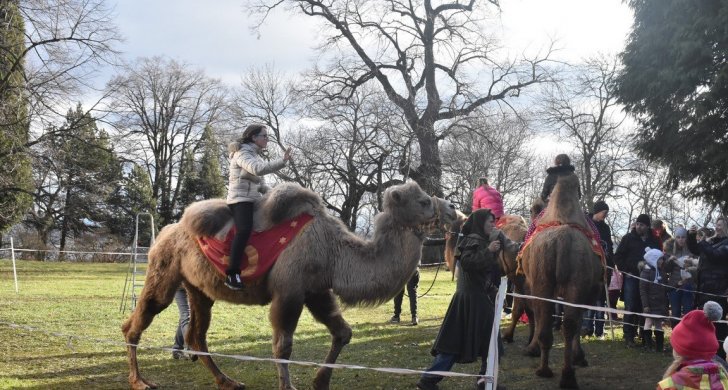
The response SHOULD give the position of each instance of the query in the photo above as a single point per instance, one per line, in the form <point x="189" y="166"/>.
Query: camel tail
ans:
<point x="288" y="200"/>
<point x="206" y="218"/>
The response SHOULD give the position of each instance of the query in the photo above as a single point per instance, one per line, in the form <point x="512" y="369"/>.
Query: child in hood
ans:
<point x="694" y="345"/>
<point x="654" y="297"/>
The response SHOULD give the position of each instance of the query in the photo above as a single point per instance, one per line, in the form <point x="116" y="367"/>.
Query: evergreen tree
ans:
<point x="203" y="178"/>
<point x="675" y="80"/>
<point x="76" y="173"/>
<point x="133" y="196"/>
<point x="15" y="180"/>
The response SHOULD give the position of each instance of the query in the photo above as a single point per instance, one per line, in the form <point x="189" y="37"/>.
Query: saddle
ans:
<point x="261" y="252"/>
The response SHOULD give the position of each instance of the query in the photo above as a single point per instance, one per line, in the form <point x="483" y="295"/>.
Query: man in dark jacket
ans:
<point x="593" y="324"/>
<point x="713" y="271"/>
<point x="630" y="252"/>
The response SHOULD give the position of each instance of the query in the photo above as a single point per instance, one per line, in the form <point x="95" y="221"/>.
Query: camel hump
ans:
<point x="289" y="200"/>
<point x="207" y="217"/>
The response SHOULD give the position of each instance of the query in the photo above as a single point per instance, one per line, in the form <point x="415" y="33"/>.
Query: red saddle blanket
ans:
<point x="590" y="235"/>
<point x="261" y="252"/>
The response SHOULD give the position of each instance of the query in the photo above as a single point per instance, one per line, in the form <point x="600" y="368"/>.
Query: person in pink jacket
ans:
<point x="487" y="197"/>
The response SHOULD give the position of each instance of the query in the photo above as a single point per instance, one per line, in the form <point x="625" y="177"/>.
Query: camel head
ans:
<point x="447" y="214"/>
<point x="409" y="206"/>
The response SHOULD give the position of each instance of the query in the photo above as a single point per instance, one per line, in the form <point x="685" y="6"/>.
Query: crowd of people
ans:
<point x="653" y="272"/>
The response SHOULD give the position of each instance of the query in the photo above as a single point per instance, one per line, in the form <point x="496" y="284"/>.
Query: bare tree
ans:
<point x="350" y="154"/>
<point x="161" y="109"/>
<point x="434" y="62"/>
<point x="496" y="146"/>
<point x="267" y="96"/>
<point x="65" y="43"/>
<point x="583" y="110"/>
<point x="49" y="49"/>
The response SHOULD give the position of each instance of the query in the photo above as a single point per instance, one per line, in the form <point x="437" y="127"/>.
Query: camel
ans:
<point x="323" y="262"/>
<point x="560" y="261"/>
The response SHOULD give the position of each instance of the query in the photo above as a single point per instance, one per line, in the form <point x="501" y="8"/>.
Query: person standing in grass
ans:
<point x="465" y="332"/>
<point x="180" y="297"/>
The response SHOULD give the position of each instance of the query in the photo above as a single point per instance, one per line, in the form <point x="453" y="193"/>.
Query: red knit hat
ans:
<point x="694" y="337"/>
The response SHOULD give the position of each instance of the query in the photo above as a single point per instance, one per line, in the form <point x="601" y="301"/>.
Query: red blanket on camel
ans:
<point x="261" y="252"/>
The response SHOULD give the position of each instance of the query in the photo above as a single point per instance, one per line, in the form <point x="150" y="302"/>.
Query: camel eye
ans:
<point x="425" y="202"/>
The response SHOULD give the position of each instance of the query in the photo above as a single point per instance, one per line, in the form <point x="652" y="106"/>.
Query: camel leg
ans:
<point x="200" y="315"/>
<point x="544" y="335"/>
<point x="516" y="313"/>
<point x="570" y="326"/>
<point x="284" y="314"/>
<point x="325" y="310"/>
<point x="157" y="294"/>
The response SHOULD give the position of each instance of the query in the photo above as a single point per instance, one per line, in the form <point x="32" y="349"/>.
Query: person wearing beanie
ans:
<point x="694" y="346"/>
<point x="630" y="252"/>
<point x="712" y="275"/>
<point x="654" y="298"/>
<point x="593" y="323"/>
<point x="681" y="267"/>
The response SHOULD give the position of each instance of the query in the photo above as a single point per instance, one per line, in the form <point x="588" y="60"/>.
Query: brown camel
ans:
<point x="324" y="261"/>
<point x="560" y="262"/>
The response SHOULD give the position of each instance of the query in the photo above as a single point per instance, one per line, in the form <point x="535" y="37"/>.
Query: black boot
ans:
<point x="659" y="341"/>
<point x="647" y="343"/>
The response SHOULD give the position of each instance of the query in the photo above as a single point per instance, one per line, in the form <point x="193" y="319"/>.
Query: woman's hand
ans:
<point x="287" y="154"/>
<point x="494" y="246"/>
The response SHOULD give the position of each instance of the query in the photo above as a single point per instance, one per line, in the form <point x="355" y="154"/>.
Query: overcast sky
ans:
<point x="216" y="35"/>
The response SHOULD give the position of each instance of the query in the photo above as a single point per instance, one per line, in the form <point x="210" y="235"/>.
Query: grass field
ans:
<point x="69" y="337"/>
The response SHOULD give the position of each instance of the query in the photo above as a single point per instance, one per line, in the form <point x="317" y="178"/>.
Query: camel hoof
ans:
<point x="229" y="384"/>
<point x="142" y="384"/>
<point x="532" y="352"/>
<point x="322" y="380"/>
<point x="545" y="372"/>
<point x="507" y="337"/>
<point x="568" y="379"/>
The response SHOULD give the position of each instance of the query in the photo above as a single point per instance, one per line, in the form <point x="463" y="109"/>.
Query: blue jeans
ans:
<point x="444" y="362"/>
<point x="594" y="320"/>
<point x="184" y="318"/>
<point x="681" y="302"/>
<point x="632" y="303"/>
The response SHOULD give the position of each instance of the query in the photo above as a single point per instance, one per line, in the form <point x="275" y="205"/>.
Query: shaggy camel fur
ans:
<point x="324" y="261"/>
<point x="560" y="262"/>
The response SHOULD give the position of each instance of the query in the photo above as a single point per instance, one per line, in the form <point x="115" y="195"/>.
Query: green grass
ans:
<point x="77" y="343"/>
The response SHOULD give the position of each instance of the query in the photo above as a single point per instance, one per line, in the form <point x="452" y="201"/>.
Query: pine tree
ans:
<point x="203" y="178"/>
<point x="76" y="173"/>
<point x="133" y="196"/>
<point x="15" y="180"/>
<point x="675" y="80"/>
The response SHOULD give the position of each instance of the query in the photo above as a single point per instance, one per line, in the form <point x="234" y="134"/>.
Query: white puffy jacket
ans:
<point x="247" y="167"/>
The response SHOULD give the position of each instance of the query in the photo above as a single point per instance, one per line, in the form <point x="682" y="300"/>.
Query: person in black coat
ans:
<point x="465" y="332"/>
<point x="593" y="324"/>
<point x="628" y="255"/>
<point x="713" y="271"/>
